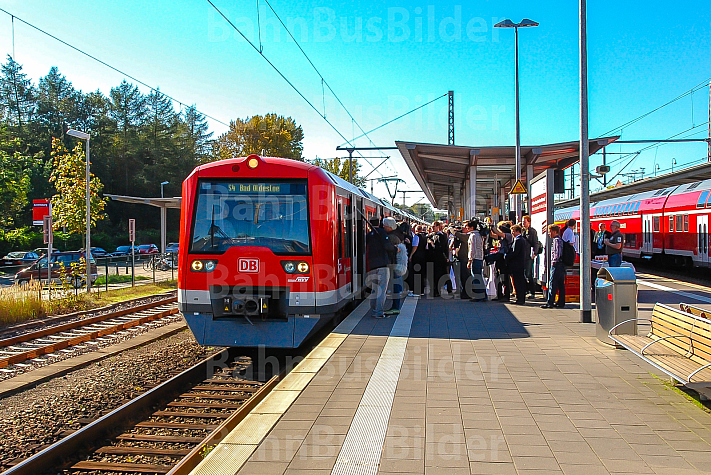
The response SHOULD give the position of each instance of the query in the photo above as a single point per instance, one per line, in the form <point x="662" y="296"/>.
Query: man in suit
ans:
<point x="516" y="263"/>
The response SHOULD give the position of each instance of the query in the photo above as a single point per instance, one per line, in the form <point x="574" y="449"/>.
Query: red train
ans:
<point x="670" y="224"/>
<point x="270" y="249"/>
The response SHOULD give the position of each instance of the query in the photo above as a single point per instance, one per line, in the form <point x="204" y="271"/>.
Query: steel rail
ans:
<point x="113" y="423"/>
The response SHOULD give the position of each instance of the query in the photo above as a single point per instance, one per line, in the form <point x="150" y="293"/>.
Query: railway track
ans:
<point x="53" y="342"/>
<point x="165" y="430"/>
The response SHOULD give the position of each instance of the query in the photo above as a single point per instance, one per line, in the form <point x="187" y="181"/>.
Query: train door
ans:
<point x="647" y="245"/>
<point x="343" y="237"/>
<point x="702" y="237"/>
<point x="359" y="260"/>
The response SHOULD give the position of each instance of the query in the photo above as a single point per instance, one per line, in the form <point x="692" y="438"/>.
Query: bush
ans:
<point x="118" y="279"/>
<point x="20" y="239"/>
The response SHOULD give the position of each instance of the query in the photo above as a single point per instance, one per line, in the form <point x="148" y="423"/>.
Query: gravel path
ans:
<point x="40" y="416"/>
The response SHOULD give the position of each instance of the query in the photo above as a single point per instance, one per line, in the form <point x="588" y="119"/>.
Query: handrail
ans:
<point x="696" y="371"/>
<point x="627" y="321"/>
<point x="662" y="339"/>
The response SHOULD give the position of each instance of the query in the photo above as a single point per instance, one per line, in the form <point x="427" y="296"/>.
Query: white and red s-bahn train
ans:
<point x="270" y="250"/>
<point x="671" y="224"/>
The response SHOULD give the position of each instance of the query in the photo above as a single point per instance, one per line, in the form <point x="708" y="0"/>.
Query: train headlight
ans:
<point x="295" y="267"/>
<point x="252" y="162"/>
<point x="199" y="265"/>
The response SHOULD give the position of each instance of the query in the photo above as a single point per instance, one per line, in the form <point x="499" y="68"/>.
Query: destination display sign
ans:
<point x="255" y="188"/>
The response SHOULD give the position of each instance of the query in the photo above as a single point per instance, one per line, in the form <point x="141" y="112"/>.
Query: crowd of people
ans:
<point x="474" y="260"/>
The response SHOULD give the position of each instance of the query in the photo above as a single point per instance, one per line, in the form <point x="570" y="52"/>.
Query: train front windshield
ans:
<point x="271" y="214"/>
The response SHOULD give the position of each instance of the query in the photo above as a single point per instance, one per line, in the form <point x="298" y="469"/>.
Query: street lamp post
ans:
<point x="87" y="253"/>
<point x="163" y="220"/>
<point x="673" y="163"/>
<point x="523" y="24"/>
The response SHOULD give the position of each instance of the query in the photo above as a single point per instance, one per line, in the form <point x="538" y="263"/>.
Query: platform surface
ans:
<point x="452" y="387"/>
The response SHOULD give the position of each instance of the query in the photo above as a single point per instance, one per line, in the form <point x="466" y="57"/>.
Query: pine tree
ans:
<point x="17" y="97"/>
<point x="128" y="110"/>
<point x="57" y="105"/>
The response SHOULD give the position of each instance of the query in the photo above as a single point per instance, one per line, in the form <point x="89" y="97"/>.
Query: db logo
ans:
<point x="248" y="265"/>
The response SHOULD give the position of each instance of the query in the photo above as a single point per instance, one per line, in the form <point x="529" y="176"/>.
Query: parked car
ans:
<point x="172" y="248"/>
<point x="148" y="249"/>
<point x="60" y="259"/>
<point x="41" y="251"/>
<point x="124" y="251"/>
<point x="98" y="252"/>
<point x="19" y="258"/>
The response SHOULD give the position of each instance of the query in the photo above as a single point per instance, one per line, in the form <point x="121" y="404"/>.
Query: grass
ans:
<point x="689" y="395"/>
<point x="22" y="303"/>
<point x="118" y="279"/>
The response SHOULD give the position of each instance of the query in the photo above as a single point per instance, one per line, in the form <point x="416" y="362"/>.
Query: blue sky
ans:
<point x="384" y="58"/>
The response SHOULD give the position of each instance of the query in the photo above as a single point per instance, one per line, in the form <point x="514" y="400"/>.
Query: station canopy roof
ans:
<point x="437" y="167"/>
<point x="173" y="203"/>
<point x="687" y="175"/>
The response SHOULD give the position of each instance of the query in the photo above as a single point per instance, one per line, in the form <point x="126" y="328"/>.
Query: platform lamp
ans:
<point x="673" y="163"/>
<point x="161" y="187"/>
<point x="525" y="23"/>
<point x="87" y="252"/>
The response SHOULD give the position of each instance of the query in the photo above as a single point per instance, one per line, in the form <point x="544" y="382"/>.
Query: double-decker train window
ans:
<point x="671" y="224"/>
<point x="655" y="224"/>
<point x="679" y="222"/>
<point x="703" y="197"/>
<point x="272" y="214"/>
<point x="686" y="223"/>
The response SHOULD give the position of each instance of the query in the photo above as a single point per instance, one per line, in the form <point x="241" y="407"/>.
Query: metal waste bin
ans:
<point x="616" y="301"/>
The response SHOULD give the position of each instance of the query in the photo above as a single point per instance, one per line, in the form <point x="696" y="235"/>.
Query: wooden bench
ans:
<point x="679" y="344"/>
<point x="698" y="311"/>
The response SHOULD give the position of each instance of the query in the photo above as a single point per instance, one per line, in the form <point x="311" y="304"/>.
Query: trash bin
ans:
<point x="616" y="301"/>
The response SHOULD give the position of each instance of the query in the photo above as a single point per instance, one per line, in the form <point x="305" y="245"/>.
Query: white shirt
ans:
<point x="568" y="236"/>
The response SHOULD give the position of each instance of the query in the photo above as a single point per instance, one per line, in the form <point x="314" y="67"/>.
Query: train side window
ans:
<point x="636" y="206"/>
<point x="339" y="225"/>
<point x="708" y="201"/>
<point x="703" y="197"/>
<point x="348" y="231"/>
<point x="686" y="223"/>
<point x="679" y="222"/>
<point x="671" y="224"/>
<point x="655" y="224"/>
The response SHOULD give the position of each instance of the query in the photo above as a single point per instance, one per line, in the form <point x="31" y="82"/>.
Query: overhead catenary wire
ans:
<point x="323" y="81"/>
<point x="278" y="71"/>
<point x="700" y="85"/>
<point x="637" y="153"/>
<point x="399" y="117"/>
<point x="132" y="78"/>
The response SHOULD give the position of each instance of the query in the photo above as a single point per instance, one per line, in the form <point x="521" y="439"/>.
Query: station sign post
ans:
<point x="132" y="238"/>
<point x="49" y="240"/>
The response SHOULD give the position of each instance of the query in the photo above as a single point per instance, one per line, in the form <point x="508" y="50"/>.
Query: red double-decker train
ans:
<point x="270" y="250"/>
<point x="670" y="224"/>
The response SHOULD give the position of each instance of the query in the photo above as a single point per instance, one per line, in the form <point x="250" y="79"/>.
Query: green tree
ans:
<point x="69" y="178"/>
<point x="270" y="135"/>
<point x="14" y="182"/>
<point x="57" y="105"/>
<point x="17" y="97"/>
<point x="339" y="167"/>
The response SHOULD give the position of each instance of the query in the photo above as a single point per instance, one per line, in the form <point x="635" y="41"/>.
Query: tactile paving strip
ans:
<point x="361" y="450"/>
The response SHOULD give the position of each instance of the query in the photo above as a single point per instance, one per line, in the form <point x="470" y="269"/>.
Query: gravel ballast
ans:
<point x="40" y="416"/>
